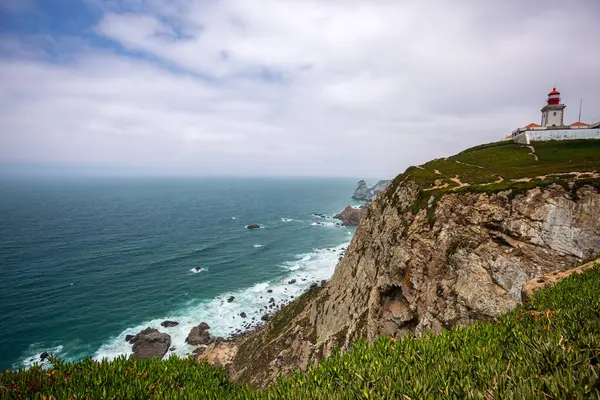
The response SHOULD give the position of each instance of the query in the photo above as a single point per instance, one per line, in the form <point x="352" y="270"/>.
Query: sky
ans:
<point x="282" y="88"/>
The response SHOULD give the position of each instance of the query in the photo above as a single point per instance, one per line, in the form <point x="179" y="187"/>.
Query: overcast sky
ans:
<point x="297" y="87"/>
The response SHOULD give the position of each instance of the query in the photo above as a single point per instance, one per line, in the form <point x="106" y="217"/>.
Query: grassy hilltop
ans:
<point x="547" y="348"/>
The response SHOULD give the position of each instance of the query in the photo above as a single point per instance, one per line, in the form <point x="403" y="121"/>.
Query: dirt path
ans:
<point x="532" y="153"/>
<point x="500" y="180"/>
<point x="459" y="183"/>
<point x="470" y="165"/>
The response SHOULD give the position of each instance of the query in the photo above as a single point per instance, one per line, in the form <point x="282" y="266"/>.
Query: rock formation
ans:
<point x="417" y="263"/>
<point x="351" y="216"/>
<point x="253" y="226"/>
<point x="365" y="193"/>
<point x="150" y="343"/>
<point x="199" y="335"/>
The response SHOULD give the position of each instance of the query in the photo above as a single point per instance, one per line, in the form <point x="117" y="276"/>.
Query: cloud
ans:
<point x="293" y="88"/>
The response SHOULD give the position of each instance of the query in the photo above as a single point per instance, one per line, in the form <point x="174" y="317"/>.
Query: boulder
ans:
<point x="44" y="355"/>
<point x="266" y="317"/>
<point x="243" y="315"/>
<point x="230" y="299"/>
<point x="291" y="282"/>
<point x="253" y="226"/>
<point x="169" y="324"/>
<point x="203" y="326"/>
<point x="128" y="338"/>
<point x="199" y="335"/>
<point x="150" y="343"/>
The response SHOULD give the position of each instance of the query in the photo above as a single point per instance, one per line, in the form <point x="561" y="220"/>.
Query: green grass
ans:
<point x="485" y="164"/>
<point x="511" y="161"/>
<point x="548" y="348"/>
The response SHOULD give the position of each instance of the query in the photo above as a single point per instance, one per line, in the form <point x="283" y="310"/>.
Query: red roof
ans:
<point x="532" y="125"/>
<point x="554" y="91"/>
<point x="579" y="124"/>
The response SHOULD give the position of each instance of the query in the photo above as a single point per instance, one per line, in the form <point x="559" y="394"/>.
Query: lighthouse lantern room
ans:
<point x="553" y="111"/>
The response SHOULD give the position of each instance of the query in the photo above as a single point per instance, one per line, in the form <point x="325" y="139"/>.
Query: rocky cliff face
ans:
<point x="418" y="264"/>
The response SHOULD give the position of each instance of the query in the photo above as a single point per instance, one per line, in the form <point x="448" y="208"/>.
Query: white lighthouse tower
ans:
<point x="553" y="112"/>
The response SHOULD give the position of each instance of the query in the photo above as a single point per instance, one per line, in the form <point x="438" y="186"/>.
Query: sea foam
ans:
<point x="223" y="316"/>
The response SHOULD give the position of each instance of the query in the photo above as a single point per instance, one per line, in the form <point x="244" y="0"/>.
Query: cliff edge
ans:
<point x="447" y="243"/>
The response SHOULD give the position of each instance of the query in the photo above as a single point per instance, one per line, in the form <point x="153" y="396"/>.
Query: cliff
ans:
<point x="448" y="243"/>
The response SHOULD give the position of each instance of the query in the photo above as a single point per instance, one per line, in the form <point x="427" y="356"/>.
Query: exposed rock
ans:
<point x="243" y="315"/>
<point x="129" y="337"/>
<point x="220" y="352"/>
<point x="270" y="291"/>
<point x="169" y="324"/>
<point x="412" y="269"/>
<point x="291" y="282"/>
<point x="552" y="278"/>
<point x="265" y="317"/>
<point x="44" y="355"/>
<point x="150" y="343"/>
<point x="351" y="216"/>
<point x="199" y="335"/>
<point x="365" y="193"/>
<point x="253" y="226"/>
<point x="203" y="326"/>
<point x="230" y="299"/>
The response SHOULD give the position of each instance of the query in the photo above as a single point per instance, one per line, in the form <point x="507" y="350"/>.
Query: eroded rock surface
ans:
<point x="552" y="278"/>
<point x="416" y="264"/>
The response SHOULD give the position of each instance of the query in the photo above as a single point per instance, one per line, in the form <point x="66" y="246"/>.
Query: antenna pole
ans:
<point x="580" y="103"/>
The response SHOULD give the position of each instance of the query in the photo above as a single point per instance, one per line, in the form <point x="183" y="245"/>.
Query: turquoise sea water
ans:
<point x="83" y="262"/>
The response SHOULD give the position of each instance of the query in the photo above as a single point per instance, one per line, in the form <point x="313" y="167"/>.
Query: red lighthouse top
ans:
<point x="554" y="97"/>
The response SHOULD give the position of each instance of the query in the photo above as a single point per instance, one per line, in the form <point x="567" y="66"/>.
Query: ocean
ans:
<point x="86" y="261"/>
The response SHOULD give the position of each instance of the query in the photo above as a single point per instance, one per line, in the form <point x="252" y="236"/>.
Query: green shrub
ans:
<point x="548" y="348"/>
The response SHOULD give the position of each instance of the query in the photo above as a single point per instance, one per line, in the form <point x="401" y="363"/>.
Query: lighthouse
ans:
<point x="553" y="111"/>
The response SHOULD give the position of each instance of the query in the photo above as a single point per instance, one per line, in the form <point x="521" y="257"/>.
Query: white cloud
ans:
<point x="311" y="87"/>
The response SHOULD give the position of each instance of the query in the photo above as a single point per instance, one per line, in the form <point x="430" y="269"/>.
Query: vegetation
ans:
<point x="495" y="167"/>
<point x="548" y="348"/>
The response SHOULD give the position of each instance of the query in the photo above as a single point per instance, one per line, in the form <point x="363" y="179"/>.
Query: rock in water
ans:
<point x="230" y="299"/>
<point x="361" y="192"/>
<point x="199" y="335"/>
<point x="351" y="216"/>
<point x="128" y="338"/>
<point x="150" y="343"/>
<point x="43" y="356"/>
<point x="253" y="226"/>
<point x="203" y="326"/>
<point x="168" y="324"/>
<point x="365" y="193"/>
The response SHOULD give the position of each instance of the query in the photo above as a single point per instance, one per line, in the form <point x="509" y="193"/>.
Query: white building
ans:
<point x="553" y="126"/>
